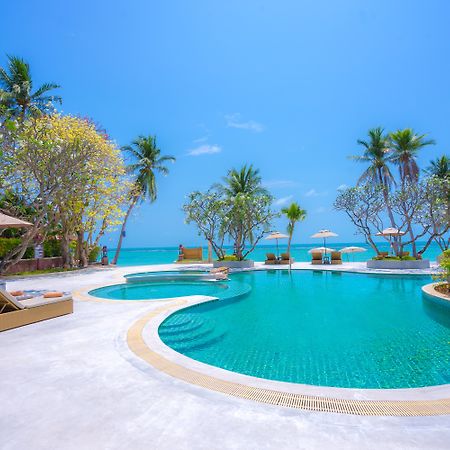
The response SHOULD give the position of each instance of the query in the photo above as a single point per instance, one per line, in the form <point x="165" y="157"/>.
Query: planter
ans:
<point x="401" y="265"/>
<point x="246" y="264"/>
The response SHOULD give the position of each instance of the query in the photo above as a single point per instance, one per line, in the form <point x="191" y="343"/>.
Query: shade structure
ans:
<point x="321" y="250"/>
<point x="353" y="249"/>
<point x="276" y="235"/>
<point x="324" y="234"/>
<point x="13" y="222"/>
<point x="391" y="232"/>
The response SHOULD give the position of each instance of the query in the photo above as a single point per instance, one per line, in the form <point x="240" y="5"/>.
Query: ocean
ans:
<point x="165" y="255"/>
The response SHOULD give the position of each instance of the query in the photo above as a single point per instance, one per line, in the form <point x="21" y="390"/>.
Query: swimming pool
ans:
<point x="170" y="275"/>
<point x="328" y="329"/>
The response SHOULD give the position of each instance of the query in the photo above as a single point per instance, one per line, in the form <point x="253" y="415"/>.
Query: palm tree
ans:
<point x="440" y="167"/>
<point x="16" y="90"/>
<point x="294" y="214"/>
<point x="147" y="160"/>
<point x="405" y="146"/>
<point x="244" y="181"/>
<point x="376" y="154"/>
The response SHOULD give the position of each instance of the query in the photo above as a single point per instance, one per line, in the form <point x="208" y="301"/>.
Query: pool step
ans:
<point x="176" y="330"/>
<point x="182" y="338"/>
<point x="199" y="344"/>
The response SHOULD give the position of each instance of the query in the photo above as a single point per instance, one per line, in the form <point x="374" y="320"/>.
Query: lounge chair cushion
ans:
<point x="16" y="293"/>
<point x="40" y="301"/>
<point x="271" y="256"/>
<point x="53" y="294"/>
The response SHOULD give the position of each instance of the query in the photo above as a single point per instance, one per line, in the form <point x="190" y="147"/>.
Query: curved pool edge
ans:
<point x="429" y="291"/>
<point x="144" y="341"/>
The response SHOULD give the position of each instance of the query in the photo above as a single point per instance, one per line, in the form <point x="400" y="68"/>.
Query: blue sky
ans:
<point x="288" y="86"/>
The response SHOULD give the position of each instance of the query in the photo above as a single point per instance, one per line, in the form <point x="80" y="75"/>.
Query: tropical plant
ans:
<point x="238" y="210"/>
<point x="294" y="214"/>
<point x="405" y="146"/>
<point x="16" y="90"/>
<point x="440" y="167"/>
<point x="147" y="161"/>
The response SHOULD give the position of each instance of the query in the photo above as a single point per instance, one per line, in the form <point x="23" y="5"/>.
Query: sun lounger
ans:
<point x="383" y="254"/>
<point x="336" y="258"/>
<point x="285" y="259"/>
<point x="316" y="258"/>
<point x="271" y="259"/>
<point x="16" y="313"/>
<point x="191" y="254"/>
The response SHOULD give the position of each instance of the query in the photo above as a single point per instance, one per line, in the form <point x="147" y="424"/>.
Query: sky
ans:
<point x="288" y="86"/>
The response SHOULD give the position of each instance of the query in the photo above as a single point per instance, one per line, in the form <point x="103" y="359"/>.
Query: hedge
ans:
<point x="51" y="248"/>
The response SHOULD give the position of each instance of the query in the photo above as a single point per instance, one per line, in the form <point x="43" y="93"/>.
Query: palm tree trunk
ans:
<point x="122" y="231"/>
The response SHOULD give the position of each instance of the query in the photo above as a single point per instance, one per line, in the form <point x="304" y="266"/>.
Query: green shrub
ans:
<point x="94" y="253"/>
<point x="7" y="244"/>
<point x="52" y="248"/>
<point x="229" y="258"/>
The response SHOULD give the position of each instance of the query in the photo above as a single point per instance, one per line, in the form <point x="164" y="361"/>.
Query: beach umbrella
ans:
<point x="353" y="249"/>
<point x="324" y="234"/>
<point x="13" y="222"/>
<point x="391" y="232"/>
<point x="321" y="250"/>
<point x="276" y="235"/>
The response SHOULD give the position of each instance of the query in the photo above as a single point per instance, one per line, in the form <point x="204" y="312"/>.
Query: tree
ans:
<point x="294" y="214"/>
<point x="405" y="146"/>
<point x="71" y="176"/>
<point x="364" y="206"/>
<point x="239" y="210"/>
<point x="147" y="160"/>
<point x="440" y="167"/>
<point x="376" y="154"/>
<point x="16" y="90"/>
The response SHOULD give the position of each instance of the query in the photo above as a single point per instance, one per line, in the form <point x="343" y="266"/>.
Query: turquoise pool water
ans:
<point x="343" y="330"/>
<point x="168" y="289"/>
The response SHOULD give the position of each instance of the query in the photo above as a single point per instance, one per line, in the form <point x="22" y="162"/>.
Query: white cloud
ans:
<point x="283" y="200"/>
<point x="205" y="149"/>
<point x="341" y="187"/>
<point x="314" y="193"/>
<point x="235" y="121"/>
<point x="279" y="183"/>
<point x="200" y="139"/>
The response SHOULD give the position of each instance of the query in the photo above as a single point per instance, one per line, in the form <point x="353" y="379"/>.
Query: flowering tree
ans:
<point x="72" y="175"/>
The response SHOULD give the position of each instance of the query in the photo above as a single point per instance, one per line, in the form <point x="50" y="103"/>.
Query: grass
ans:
<point x="39" y="272"/>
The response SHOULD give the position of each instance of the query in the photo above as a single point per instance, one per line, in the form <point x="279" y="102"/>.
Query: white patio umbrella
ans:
<point x="324" y="234"/>
<point x="391" y="232"/>
<point x="353" y="249"/>
<point x="321" y="250"/>
<point x="276" y="235"/>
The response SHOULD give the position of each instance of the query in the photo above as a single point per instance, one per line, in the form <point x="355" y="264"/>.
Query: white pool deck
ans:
<point x="73" y="383"/>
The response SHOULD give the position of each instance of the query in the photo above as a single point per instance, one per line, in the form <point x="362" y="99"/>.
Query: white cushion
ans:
<point x="40" y="301"/>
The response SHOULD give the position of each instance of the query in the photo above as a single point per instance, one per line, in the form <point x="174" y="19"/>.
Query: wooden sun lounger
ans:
<point x="336" y="258"/>
<point x="271" y="259"/>
<point x="285" y="259"/>
<point x="15" y="313"/>
<point x="316" y="258"/>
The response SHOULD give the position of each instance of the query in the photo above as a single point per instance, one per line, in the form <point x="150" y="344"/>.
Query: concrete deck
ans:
<point x="73" y="383"/>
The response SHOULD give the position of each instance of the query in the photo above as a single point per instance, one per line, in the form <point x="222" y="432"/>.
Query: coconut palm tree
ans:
<point x="16" y="90"/>
<point x="294" y="214"/>
<point x="440" y="167"/>
<point x="244" y="181"/>
<point x="405" y="146"/>
<point x="376" y="154"/>
<point x="147" y="160"/>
